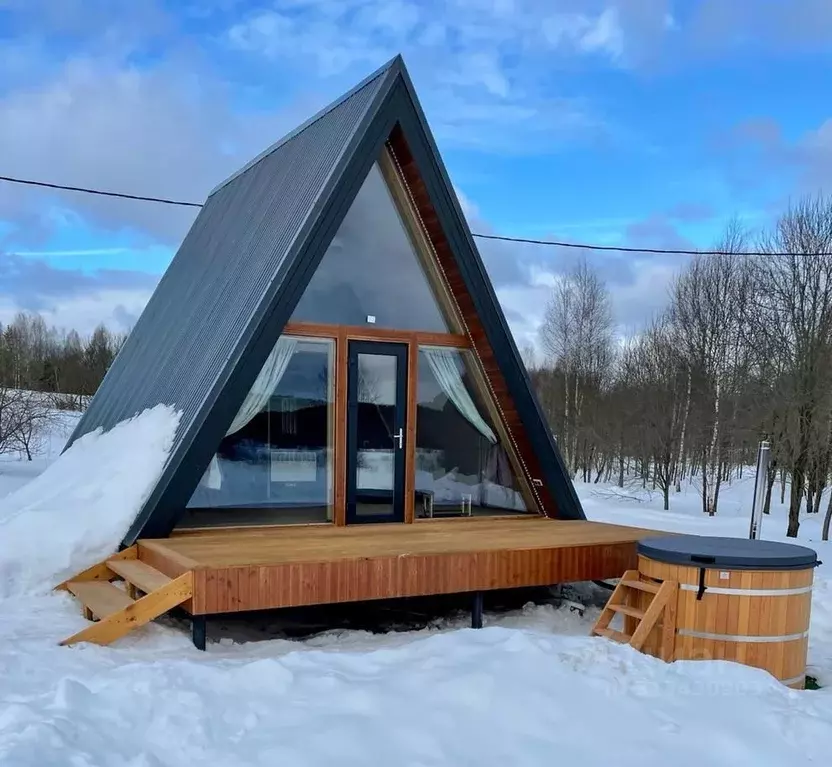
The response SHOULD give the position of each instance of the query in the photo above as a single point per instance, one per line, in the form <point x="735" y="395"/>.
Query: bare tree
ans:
<point x="656" y="371"/>
<point x="707" y="315"/>
<point x="577" y="337"/>
<point x="793" y="302"/>
<point x="745" y="353"/>
<point x="34" y="419"/>
<point x="11" y="414"/>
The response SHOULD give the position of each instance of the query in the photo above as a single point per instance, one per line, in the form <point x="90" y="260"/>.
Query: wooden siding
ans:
<point x="511" y="419"/>
<point x="265" y="568"/>
<point x="756" y="610"/>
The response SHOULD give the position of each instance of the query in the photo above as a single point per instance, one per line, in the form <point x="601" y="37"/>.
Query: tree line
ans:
<point x="44" y="370"/>
<point x="742" y="353"/>
<point x="36" y="357"/>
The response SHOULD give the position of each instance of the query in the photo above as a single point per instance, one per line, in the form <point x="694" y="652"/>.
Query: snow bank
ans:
<point x="532" y="688"/>
<point x="78" y="510"/>
<point x="499" y="696"/>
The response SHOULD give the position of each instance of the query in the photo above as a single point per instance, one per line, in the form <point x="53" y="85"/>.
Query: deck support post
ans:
<point x="476" y="611"/>
<point x="199" y="631"/>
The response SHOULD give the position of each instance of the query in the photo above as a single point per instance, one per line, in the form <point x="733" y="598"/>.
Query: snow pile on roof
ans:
<point x="79" y="509"/>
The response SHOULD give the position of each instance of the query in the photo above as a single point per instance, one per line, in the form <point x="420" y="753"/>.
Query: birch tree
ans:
<point x="793" y="312"/>
<point x="654" y="367"/>
<point x="706" y="312"/>
<point x="577" y="337"/>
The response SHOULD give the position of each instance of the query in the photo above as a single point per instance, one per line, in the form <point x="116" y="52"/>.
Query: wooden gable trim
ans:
<point x="529" y="469"/>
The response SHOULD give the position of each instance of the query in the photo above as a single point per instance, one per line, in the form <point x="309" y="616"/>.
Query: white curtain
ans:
<point x="497" y="469"/>
<point x="443" y="366"/>
<point x="258" y="397"/>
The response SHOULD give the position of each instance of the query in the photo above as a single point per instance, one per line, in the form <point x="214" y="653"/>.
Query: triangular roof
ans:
<point x="241" y="269"/>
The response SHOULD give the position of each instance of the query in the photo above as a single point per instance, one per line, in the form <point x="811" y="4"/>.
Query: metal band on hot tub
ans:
<point x="748" y="592"/>
<point x="741" y="637"/>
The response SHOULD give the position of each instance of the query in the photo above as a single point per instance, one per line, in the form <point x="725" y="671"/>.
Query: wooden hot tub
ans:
<point x="739" y="600"/>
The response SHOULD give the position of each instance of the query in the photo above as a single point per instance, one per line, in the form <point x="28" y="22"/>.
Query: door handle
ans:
<point x="399" y="438"/>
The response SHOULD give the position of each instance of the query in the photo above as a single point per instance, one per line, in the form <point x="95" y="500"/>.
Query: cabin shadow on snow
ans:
<point x="392" y="615"/>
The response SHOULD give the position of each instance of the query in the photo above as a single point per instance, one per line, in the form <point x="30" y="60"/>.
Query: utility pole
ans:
<point x="763" y="456"/>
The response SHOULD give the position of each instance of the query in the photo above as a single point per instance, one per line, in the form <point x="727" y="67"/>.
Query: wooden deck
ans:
<point x="240" y="569"/>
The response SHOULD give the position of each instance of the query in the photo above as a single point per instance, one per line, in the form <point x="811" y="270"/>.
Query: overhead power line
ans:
<point x="99" y="192"/>
<point x="625" y="249"/>
<point x="498" y="237"/>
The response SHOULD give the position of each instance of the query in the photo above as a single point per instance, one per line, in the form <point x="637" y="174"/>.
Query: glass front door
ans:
<point x="376" y="431"/>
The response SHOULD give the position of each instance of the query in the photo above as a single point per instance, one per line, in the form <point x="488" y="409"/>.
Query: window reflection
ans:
<point x="461" y="467"/>
<point x="371" y="273"/>
<point x="275" y="463"/>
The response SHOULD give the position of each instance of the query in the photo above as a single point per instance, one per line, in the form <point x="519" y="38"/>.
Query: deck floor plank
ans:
<point x="237" y="569"/>
<point x="317" y="543"/>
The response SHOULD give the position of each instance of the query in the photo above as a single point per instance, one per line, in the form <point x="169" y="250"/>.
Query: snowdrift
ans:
<point x="78" y="510"/>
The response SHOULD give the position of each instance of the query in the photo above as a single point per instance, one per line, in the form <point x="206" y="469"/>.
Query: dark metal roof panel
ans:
<point x="197" y="320"/>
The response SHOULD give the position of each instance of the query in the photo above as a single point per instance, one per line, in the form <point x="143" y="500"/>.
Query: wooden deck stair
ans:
<point x="644" y="606"/>
<point x="148" y="594"/>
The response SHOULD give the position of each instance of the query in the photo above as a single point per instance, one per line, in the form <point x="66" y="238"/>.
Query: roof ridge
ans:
<point x="395" y="62"/>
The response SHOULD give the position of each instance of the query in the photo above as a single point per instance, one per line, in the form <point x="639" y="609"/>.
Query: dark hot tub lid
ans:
<point x="727" y="553"/>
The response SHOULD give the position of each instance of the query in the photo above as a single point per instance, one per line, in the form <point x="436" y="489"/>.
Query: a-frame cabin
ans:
<point x="356" y="422"/>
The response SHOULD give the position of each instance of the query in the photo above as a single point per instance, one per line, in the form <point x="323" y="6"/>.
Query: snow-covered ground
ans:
<point x="529" y="689"/>
<point x="15" y="471"/>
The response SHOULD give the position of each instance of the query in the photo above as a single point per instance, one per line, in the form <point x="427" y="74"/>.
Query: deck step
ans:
<point x="140" y="574"/>
<point x="652" y="588"/>
<point x="659" y="613"/>
<point x="129" y="615"/>
<point x="633" y="612"/>
<point x="100" y="597"/>
<point x="616" y="636"/>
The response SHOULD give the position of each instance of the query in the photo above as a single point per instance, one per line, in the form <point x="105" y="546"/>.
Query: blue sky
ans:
<point x="638" y="122"/>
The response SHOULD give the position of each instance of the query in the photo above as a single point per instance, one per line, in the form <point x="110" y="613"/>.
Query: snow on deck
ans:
<point x="529" y="689"/>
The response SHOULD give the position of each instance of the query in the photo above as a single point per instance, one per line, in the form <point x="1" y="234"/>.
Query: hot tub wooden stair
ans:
<point x="645" y="606"/>
<point x="148" y="594"/>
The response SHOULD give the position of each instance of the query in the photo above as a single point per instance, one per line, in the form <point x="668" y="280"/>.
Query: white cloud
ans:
<point x="484" y="70"/>
<point x="600" y="34"/>
<point x="814" y="156"/>
<point x="469" y="207"/>
<point x="764" y="147"/>
<point x="106" y="124"/>
<point x="636" y="297"/>
<point x="717" y="26"/>
<point x="118" y="309"/>
<point x="604" y="34"/>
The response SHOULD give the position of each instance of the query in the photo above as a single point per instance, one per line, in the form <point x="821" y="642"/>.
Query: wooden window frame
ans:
<point x="342" y="335"/>
<point x="370" y="333"/>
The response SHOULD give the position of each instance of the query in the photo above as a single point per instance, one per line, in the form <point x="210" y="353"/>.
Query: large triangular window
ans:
<point x="372" y="274"/>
